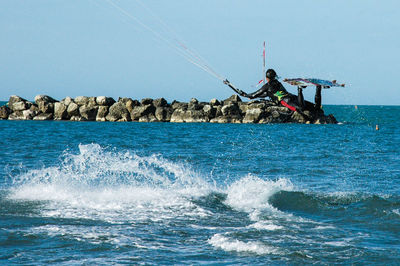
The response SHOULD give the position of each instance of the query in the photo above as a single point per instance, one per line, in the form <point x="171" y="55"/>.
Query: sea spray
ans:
<point x="251" y="194"/>
<point x="102" y="184"/>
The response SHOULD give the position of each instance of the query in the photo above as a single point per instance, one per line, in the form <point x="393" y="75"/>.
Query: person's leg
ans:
<point x="318" y="98"/>
<point x="300" y="97"/>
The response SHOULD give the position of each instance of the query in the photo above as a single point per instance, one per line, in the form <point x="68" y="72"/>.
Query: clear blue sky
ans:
<point x="86" y="47"/>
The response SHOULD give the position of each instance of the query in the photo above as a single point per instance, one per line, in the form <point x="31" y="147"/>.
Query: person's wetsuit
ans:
<point x="277" y="93"/>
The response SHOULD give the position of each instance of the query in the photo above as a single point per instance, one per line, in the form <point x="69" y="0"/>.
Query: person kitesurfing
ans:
<point x="275" y="91"/>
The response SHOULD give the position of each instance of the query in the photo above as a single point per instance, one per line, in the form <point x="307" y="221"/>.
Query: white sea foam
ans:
<point x="265" y="225"/>
<point x="230" y="244"/>
<point x="113" y="186"/>
<point x="325" y="227"/>
<point x="396" y="211"/>
<point x="251" y="194"/>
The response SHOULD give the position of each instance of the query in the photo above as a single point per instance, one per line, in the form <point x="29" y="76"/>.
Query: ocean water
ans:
<point x="165" y="193"/>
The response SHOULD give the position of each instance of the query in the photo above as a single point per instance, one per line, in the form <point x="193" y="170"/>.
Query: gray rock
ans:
<point x="67" y="101"/>
<point x="189" y="116"/>
<point x="4" y="112"/>
<point x="77" y="118"/>
<point x="209" y="111"/>
<point x="194" y="101"/>
<point x="73" y="109"/>
<point x="253" y="115"/>
<point x="243" y="107"/>
<point x="163" y="114"/>
<point x="230" y="110"/>
<point x="233" y="99"/>
<point x="92" y="102"/>
<point x="102" y="113"/>
<point x="118" y="112"/>
<point x="22" y="115"/>
<point x="214" y="102"/>
<point x="13" y="99"/>
<point x="43" y="116"/>
<point x="34" y="108"/>
<point x="88" y="112"/>
<point x="146" y="101"/>
<point x="160" y="102"/>
<point x="104" y="101"/>
<point x="279" y="109"/>
<point x="148" y="118"/>
<point x="81" y="100"/>
<point x="178" y="105"/>
<point x="45" y="107"/>
<point x="19" y="106"/>
<point x="130" y="104"/>
<point x="60" y="111"/>
<point x="140" y="111"/>
<point x="224" y="120"/>
<point x="17" y="115"/>
<point x="44" y="98"/>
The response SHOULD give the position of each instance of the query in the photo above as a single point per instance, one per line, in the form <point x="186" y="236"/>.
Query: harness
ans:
<point x="280" y="95"/>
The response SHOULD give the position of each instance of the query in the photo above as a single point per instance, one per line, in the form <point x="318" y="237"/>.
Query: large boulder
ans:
<point x="230" y="110"/>
<point x="73" y="109"/>
<point x="178" y="105"/>
<point x="45" y="104"/>
<point x="233" y="99"/>
<point x="44" y="98"/>
<point x="130" y="104"/>
<point x="15" y="99"/>
<point x="82" y="100"/>
<point x="4" y="112"/>
<point x="104" y="101"/>
<point x="214" y="102"/>
<point x="195" y="105"/>
<point x="19" y="106"/>
<point x="46" y="107"/>
<point x="253" y="115"/>
<point x="16" y="103"/>
<point x="60" y="111"/>
<point x="189" y="116"/>
<point x="225" y="119"/>
<point x="67" y="101"/>
<point x="140" y="111"/>
<point x="102" y="113"/>
<point x="77" y="118"/>
<point x="22" y="115"/>
<point x="210" y="111"/>
<point x="163" y="114"/>
<point x="88" y="112"/>
<point x="148" y="118"/>
<point x="43" y="116"/>
<point x="160" y="102"/>
<point x="146" y="101"/>
<point x="118" y="112"/>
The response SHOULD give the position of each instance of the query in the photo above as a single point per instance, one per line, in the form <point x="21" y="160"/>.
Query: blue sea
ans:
<point x="165" y="193"/>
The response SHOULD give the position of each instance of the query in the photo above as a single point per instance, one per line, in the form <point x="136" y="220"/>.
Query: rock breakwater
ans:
<point x="102" y="108"/>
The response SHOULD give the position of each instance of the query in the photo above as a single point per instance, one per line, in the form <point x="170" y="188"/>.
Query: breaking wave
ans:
<point x="96" y="183"/>
<point x="230" y="244"/>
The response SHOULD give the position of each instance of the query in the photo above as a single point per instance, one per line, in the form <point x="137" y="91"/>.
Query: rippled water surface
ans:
<point x="164" y="193"/>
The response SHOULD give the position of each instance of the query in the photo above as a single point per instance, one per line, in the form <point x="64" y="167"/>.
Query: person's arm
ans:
<point x="262" y="92"/>
<point x="238" y="91"/>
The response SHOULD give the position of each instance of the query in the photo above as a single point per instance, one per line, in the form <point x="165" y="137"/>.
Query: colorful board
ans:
<point x="326" y="84"/>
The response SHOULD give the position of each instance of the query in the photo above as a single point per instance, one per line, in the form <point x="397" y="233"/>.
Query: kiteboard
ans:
<point x="326" y="84"/>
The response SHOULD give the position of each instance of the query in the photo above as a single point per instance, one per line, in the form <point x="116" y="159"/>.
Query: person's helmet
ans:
<point x="271" y="74"/>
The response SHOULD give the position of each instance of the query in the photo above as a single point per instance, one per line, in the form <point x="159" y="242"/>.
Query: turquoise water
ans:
<point x="165" y="193"/>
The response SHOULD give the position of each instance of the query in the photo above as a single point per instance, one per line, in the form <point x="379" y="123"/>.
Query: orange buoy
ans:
<point x="377" y="127"/>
